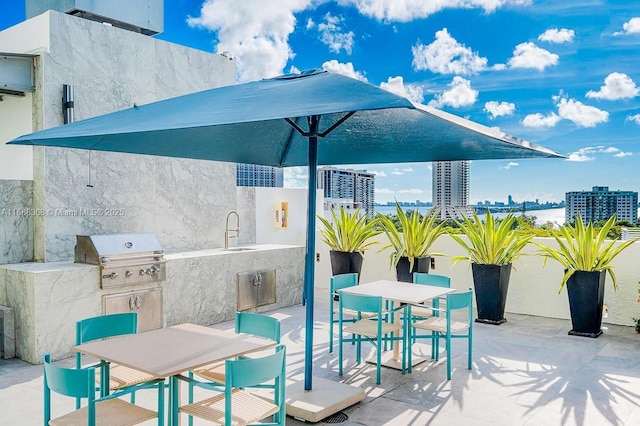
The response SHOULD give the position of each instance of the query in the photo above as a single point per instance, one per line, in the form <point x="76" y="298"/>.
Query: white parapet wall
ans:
<point x="533" y="289"/>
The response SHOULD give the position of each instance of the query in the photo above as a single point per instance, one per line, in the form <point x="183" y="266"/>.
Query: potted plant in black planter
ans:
<point x="587" y="259"/>
<point x="412" y="242"/>
<point x="348" y="236"/>
<point x="491" y="250"/>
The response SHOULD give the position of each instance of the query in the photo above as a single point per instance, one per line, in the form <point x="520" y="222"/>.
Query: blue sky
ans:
<point x="563" y="74"/>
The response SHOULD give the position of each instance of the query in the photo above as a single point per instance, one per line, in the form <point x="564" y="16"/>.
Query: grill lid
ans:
<point x="98" y="249"/>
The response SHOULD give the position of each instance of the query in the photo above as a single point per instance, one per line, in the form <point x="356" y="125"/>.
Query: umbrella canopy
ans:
<point x="245" y="124"/>
<point x="311" y="118"/>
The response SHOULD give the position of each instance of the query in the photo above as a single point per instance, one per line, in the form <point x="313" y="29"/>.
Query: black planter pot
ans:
<point x="343" y="262"/>
<point x="491" y="284"/>
<point x="586" y="296"/>
<point x="420" y="264"/>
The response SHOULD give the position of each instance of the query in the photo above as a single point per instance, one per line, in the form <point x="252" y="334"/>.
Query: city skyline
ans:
<point x="560" y="74"/>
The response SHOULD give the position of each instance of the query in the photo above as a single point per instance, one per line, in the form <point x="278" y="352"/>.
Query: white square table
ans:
<point x="167" y="352"/>
<point x="402" y="292"/>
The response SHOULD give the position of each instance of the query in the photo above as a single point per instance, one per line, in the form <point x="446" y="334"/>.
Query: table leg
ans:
<point x="174" y="387"/>
<point x="396" y="345"/>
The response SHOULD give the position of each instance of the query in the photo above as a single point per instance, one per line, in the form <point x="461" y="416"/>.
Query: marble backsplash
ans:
<point x="202" y="288"/>
<point x="16" y="224"/>
<point x="183" y="202"/>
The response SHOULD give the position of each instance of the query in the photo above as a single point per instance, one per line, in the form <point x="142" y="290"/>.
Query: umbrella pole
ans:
<point x="309" y="267"/>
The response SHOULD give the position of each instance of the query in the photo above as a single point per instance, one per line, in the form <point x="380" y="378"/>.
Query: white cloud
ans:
<point x="580" y="114"/>
<point x="616" y="152"/>
<point x="294" y="70"/>
<point x="632" y="26"/>
<point x="446" y="56"/>
<point x="635" y="118"/>
<point x="510" y="165"/>
<point x="408" y="10"/>
<point x="400" y="172"/>
<point x="498" y="109"/>
<point x="310" y="24"/>
<point x="583" y="154"/>
<point x="554" y="35"/>
<point x="410" y="91"/>
<point x="588" y="153"/>
<point x="296" y="177"/>
<point x="460" y="94"/>
<point x="528" y="55"/>
<point x="384" y="191"/>
<point x="616" y="86"/>
<point x="539" y="120"/>
<point x="331" y="34"/>
<point x="379" y="173"/>
<point x="254" y="31"/>
<point x="344" y="69"/>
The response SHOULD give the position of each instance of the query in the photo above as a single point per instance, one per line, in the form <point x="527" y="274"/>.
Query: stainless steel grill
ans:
<point x="124" y="259"/>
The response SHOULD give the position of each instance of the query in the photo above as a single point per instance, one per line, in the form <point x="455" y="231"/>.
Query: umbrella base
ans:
<point x="326" y="398"/>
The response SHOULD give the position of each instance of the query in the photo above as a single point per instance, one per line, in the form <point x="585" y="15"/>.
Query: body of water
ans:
<point x="542" y="216"/>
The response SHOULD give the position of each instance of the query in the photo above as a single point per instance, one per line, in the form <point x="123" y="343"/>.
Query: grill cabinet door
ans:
<point x="147" y="303"/>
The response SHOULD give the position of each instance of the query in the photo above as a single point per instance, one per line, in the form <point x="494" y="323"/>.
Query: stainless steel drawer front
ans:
<point x="256" y="288"/>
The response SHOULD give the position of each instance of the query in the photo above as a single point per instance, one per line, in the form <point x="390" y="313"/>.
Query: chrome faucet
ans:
<point x="227" y="231"/>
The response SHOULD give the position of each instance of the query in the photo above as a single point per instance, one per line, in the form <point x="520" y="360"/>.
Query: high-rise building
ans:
<point x="601" y="204"/>
<point x="451" y="189"/>
<point x="256" y="175"/>
<point x="347" y="187"/>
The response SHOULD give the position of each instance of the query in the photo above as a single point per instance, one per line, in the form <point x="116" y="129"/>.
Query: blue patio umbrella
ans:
<point x="309" y="119"/>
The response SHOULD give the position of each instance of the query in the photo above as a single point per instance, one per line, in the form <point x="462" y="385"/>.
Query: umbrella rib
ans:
<point x="336" y="124"/>
<point x="295" y="127"/>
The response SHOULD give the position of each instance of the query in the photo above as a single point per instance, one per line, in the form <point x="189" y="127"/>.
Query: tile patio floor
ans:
<point x="526" y="372"/>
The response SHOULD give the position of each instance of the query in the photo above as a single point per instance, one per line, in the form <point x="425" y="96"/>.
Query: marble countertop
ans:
<point x="252" y="248"/>
<point x="39" y="267"/>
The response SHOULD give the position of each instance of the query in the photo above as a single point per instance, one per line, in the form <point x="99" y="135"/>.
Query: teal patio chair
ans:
<point x="420" y="312"/>
<point x="337" y="283"/>
<point x="245" y="322"/>
<point x="111" y="376"/>
<point x="249" y="323"/>
<point x="81" y="383"/>
<point x="370" y="325"/>
<point x="448" y="329"/>
<point x="236" y="404"/>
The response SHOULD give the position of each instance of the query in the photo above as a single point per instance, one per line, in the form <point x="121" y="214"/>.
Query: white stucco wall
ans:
<point x="266" y="230"/>
<point x="16" y="162"/>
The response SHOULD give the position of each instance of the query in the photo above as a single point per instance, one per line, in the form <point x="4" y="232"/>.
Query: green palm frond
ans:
<point x="581" y="248"/>
<point x="348" y="232"/>
<point x="414" y="238"/>
<point x="490" y="242"/>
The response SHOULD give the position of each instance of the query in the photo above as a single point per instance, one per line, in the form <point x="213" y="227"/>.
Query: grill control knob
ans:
<point x="113" y="275"/>
<point x="128" y="274"/>
<point x="149" y="272"/>
<point x="141" y="271"/>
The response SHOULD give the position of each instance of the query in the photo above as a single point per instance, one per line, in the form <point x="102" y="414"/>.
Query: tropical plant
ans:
<point x="490" y="242"/>
<point x="583" y="248"/>
<point x="414" y="237"/>
<point x="349" y="232"/>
